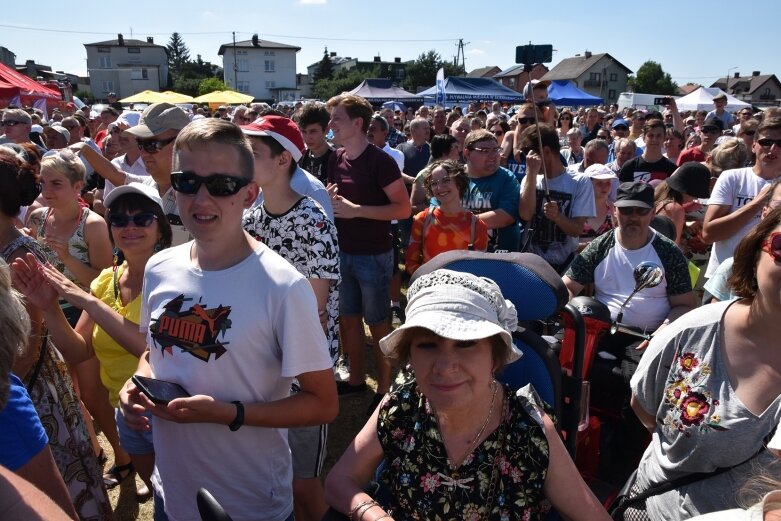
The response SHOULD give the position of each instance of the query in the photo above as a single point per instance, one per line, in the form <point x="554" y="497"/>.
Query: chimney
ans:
<point x="255" y="41"/>
<point x="396" y="60"/>
<point x="333" y="55"/>
<point x="737" y="75"/>
<point x="150" y="39"/>
<point x="347" y="58"/>
<point x="377" y="59"/>
<point x="755" y="73"/>
<point x="588" y="54"/>
<point x="120" y="40"/>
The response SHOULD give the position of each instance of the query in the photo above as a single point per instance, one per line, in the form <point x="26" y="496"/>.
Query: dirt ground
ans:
<point x="352" y="417"/>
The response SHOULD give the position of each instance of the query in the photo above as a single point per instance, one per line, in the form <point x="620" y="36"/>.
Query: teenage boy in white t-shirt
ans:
<point x="232" y="323"/>
<point x="737" y="198"/>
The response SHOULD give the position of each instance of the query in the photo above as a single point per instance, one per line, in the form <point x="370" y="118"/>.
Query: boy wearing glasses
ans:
<point x="232" y="323"/>
<point x="609" y="262"/>
<point x="737" y="197"/>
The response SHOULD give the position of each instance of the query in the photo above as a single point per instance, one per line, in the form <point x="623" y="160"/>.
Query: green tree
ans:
<point x="325" y="69"/>
<point x="422" y="73"/>
<point x="651" y="79"/>
<point x="341" y="82"/>
<point x="178" y="56"/>
<point x="208" y="85"/>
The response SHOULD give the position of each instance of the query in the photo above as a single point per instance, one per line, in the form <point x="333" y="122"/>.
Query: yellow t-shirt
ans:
<point x="117" y="365"/>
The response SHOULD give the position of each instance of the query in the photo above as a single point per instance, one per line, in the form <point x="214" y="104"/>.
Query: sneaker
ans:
<point x="341" y="370"/>
<point x="397" y="316"/>
<point x="345" y="388"/>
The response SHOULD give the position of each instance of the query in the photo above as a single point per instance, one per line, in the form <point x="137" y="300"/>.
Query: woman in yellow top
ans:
<point x="109" y="328"/>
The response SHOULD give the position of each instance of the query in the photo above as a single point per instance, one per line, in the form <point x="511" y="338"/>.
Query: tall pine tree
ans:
<point x="178" y="56"/>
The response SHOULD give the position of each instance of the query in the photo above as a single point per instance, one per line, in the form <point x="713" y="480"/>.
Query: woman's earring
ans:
<point x="158" y="247"/>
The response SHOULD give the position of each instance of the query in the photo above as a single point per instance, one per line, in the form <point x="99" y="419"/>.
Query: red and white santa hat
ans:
<point x="282" y="129"/>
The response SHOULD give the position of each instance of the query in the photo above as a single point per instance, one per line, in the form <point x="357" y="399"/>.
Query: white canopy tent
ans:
<point x="702" y="99"/>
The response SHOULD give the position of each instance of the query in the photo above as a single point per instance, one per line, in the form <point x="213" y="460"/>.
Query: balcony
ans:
<point x="767" y="97"/>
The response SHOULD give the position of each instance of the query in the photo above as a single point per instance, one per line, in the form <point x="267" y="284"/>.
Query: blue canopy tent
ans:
<point x="468" y="90"/>
<point x="378" y="91"/>
<point x="564" y="93"/>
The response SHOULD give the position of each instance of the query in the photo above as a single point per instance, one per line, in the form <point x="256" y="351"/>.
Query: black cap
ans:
<point x="691" y="178"/>
<point x="635" y="193"/>
<point x="713" y="121"/>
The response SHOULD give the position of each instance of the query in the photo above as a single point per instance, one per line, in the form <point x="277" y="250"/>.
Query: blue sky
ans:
<point x="692" y="40"/>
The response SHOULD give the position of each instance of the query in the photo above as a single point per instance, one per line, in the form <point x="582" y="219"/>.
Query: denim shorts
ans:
<point x="134" y="442"/>
<point x="365" y="286"/>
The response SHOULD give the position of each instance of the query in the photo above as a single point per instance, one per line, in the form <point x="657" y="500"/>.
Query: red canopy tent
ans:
<point x="14" y="84"/>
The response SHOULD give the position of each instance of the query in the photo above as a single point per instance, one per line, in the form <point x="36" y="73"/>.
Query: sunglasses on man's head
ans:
<point x="139" y="220"/>
<point x="633" y="210"/>
<point x="773" y="246"/>
<point x="153" y="146"/>
<point x="218" y="185"/>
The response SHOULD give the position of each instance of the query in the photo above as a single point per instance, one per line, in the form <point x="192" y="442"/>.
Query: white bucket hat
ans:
<point x="458" y="306"/>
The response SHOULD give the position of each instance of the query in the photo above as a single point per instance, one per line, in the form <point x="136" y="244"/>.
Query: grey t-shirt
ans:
<point x="701" y="424"/>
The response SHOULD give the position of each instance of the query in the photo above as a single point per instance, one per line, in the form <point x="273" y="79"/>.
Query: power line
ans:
<point x="290" y="36"/>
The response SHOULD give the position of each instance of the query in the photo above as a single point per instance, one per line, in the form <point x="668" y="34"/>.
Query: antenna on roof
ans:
<point x="131" y="32"/>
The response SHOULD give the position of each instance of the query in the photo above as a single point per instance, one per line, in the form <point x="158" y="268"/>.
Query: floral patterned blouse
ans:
<point x="77" y="245"/>
<point x="512" y="462"/>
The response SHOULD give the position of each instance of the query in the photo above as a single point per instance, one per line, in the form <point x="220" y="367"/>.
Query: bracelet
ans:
<point x="369" y="507"/>
<point x="239" y="420"/>
<point x="354" y="511"/>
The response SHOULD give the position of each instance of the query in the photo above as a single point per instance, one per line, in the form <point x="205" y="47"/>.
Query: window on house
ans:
<point x="108" y="86"/>
<point x="269" y="66"/>
<point x="139" y="74"/>
<point x="767" y="91"/>
<point x="271" y="84"/>
<point x="134" y="50"/>
<point x="104" y="49"/>
<point x="105" y="62"/>
<point x="268" y="53"/>
<point x="611" y="94"/>
<point x="511" y="82"/>
<point x="399" y="74"/>
<point x="595" y="76"/>
<point x="613" y="76"/>
<point x="241" y="52"/>
<point x="242" y="86"/>
<point x="242" y="65"/>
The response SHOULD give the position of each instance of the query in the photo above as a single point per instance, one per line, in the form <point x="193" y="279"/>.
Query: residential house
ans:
<point x="126" y="66"/>
<point x="757" y="89"/>
<point x="516" y="79"/>
<point x="261" y="68"/>
<point x="683" y="90"/>
<point x="484" y="72"/>
<point x="395" y="70"/>
<point x="597" y="74"/>
<point x="7" y="57"/>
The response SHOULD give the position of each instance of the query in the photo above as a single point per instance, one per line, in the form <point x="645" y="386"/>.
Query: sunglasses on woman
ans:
<point x="773" y="246"/>
<point x="218" y="185"/>
<point x="139" y="220"/>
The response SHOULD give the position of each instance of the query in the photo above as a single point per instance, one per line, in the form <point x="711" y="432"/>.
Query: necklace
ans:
<point x="473" y="444"/>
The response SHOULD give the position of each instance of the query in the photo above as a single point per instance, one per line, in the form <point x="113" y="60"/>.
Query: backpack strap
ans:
<point x="472" y="226"/>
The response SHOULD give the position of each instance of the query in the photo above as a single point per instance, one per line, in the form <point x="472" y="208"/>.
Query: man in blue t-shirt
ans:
<point x="493" y="191"/>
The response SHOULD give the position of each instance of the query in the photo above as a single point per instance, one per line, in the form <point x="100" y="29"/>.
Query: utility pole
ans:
<point x="235" y="67"/>
<point x="460" y="53"/>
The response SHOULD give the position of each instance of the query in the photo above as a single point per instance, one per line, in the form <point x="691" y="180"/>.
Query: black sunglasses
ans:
<point x="629" y="210"/>
<point x="153" y="146"/>
<point x="768" y="142"/>
<point x="140" y="220"/>
<point x="710" y="130"/>
<point x="218" y="185"/>
<point x="11" y="123"/>
<point x="524" y="121"/>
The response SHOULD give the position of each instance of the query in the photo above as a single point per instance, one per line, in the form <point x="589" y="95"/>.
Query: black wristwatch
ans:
<point x="238" y="421"/>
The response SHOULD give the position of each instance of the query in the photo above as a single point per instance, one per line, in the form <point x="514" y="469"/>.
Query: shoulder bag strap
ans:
<point x="472" y="226"/>
<point x="426" y="223"/>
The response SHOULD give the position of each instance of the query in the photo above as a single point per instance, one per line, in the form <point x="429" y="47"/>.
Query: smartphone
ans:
<point x="662" y="101"/>
<point x="159" y="391"/>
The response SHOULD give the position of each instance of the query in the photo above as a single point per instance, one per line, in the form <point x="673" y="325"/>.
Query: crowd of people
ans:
<point x="199" y="285"/>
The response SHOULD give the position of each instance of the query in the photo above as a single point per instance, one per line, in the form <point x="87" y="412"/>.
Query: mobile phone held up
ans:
<point x="159" y="391"/>
<point x="663" y="102"/>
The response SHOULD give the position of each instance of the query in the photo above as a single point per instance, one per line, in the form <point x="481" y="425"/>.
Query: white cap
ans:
<point x="133" y="188"/>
